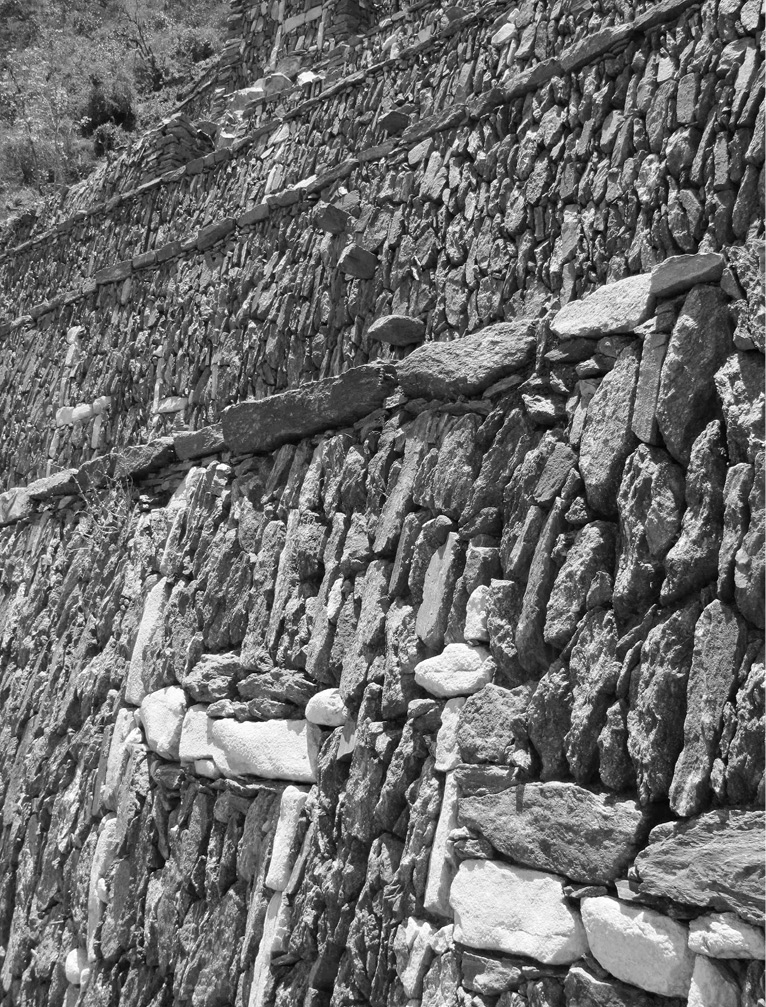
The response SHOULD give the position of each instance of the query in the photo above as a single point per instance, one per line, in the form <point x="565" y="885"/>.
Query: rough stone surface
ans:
<point x="162" y="716"/>
<point x="712" y="984"/>
<point x="589" y="837"/>
<point x="680" y="272"/>
<point x="724" y="935"/>
<point x="582" y="989"/>
<point x="327" y="709"/>
<point x="261" y="426"/>
<point x="491" y="721"/>
<point x="714" y="861"/>
<point x="699" y="345"/>
<point x="616" y="307"/>
<point x="468" y="366"/>
<point x="458" y="671"/>
<point x="397" y="330"/>
<point x="639" y="946"/>
<point x="275" y="749"/>
<point x="510" y="909"/>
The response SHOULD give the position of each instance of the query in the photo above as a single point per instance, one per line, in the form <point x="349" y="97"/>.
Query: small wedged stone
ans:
<point x="397" y="330"/>
<point x="639" y="946"/>
<point x="725" y="935"/>
<point x="330" y="218"/>
<point x="357" y="262"/>
<point x="190" y="444"/>
<point x="264" y="425"/>
<point x="699" y="345"/>
<point x="499" y="907"/>
<point x="468" y="365"/>
<point x="615" y="307"/>
<point x="714" y="861"/>
<point x="678" y="273"/>
<point x="590" y="838"/>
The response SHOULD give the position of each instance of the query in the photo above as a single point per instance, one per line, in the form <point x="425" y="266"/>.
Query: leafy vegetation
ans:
<point x="78" y="77"/>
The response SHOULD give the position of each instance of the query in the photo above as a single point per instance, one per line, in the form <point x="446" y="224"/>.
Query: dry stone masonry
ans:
<point x="382" y="524"/>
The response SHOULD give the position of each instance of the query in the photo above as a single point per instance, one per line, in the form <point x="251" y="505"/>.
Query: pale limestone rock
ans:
<point x="447" y="752"/>
<point x="443" y="939"/>
<point x="196" y="744"/>
<point x="206" y="768"/>
<point x="103" y="858"/>
<point x="76" y="961"/>
<point x="412" y="947"/>
<point x="259" y="987"/>
<point x="290" y="808"/>
<point x="162" y="717"/>
<point x="712" y="985"/>
<point x="499" y="907"/>
<point x="154" y="611"/>
<point x="327" y="709"/>
<point x="458" y="671"/>
<point x="441" y="867"/>
<point x="725" y="935"/>
<point x="124" y="733"/>
<point x="273" y="749"/>
<point x="616" y="307"/>
<point x="639" y="946"/>
<point x="438" y="586"/>
<point x="680" y="272"/>
<point x="476" y="615"/>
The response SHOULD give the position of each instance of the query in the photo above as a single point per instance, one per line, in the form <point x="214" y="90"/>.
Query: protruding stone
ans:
<point x="412" y="947"/>
<point x="140" y="675"/>
<point x="281" y="864"/>
<point x="458" y="671"/>
<point x="639" y="946"/>
<point x="441" y="866"/>
<point x="397" y="330"/>
<point x="447" y="754"/>
<point x="591" y="838"/>
<point x="714" y="861"/>
<point x="438" y="587"/>
<point x="724" y="935"/>
<point x="330" y="218"/>
<point x="327" y="709"/>
<point x="680" y="272"/>
<point x="262" y="426"/>
<point x="162" y="717"/>
<point x="616" y="307"/>
<point x="468" y="365"/>
<point x="76" y="961"/>
<point x="592" y="553"/>
<point x="357" y="262"/>
<point x="273" y="749"/>
<point x="476" y="615"/>
<point x="503" y="908"/>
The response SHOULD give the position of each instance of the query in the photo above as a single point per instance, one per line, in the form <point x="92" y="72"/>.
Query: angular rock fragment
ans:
<point x="585" y="990"/>
<point x="357" y="262"/>
<point x="719" y="646"/>
<point x="724" y="935"/>
<point x="678" y="273"/>
<point x="262" y="426"/>
<point x="739" y="483"/>
<point x="616" y="307"/>
<point x="291" y="805"/>
<point x="458" y="671"/>
<point x="441" y="867"/>
<point x="712" y="984"/>
<point x="503" y="908"/>
<point x="699" y="345"/>
<point x="397" y="330"/>
<point x="750" y="558"/>
<point x="714" y="861"/>
<point x="273" y="749"/>
<point x="592" y="553"/>
<point x="438" y="587"/>
<point x="590" y="838"/>
<point x="162" y="715"/>
<point x="550" y="719"/>
<point x="490" y="721"/>
<point x="740" y="387"/>
<point x="639" y="946"/>
<point x="468" y="365"/>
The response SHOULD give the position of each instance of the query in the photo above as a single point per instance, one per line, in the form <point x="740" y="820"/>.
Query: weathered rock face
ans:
<point x="383" y="556"/>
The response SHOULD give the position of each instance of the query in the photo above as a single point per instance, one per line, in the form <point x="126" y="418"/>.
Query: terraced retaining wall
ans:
<point x="382" y="552"/>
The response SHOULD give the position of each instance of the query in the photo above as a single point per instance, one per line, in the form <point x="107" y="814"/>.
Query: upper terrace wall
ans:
<point x="493" y="207"/>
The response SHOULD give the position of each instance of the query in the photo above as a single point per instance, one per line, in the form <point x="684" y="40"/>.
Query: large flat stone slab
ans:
<point x="591" y="838"/>
<point x="715" y="861"/>
<point x="262" y="426"/>
<point x="616" y="307"/>
<point x="639" y="946"/>
<point x="469" y="365"/>
<point x="503" y="908"/>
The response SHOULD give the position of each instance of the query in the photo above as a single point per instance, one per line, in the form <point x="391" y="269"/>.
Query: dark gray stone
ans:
<point x="398" y="330"/>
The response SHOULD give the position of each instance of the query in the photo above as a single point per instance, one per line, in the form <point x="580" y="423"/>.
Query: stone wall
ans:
<point x="382" y="542"/>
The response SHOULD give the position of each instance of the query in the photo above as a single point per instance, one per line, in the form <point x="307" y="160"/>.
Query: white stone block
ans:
<point x="459" y="670"/>
<point x="725" y="935"/>
<point x="154" y="611"/>
<point x="206" y="768"/>
<point x="124" y="733"/>
<point x="443" y="939"/>
<point x="413" y="951"/>
<point x="103" y="858"/>
<point x="273" y="749"/>
<point x="499" y="907"/>
<point x="162" y="717"/>
<point x="639" y="946"/>
<point x="441" y="866"/>
<point x="712" y="985"/>
<point x="259" y="984"/>
<point x="447" y="751"/>
<point x="76" y="961"/>
<point x="196" y="744"/>
<point x="281" y="864"/>
<point x="327" y="709"/>
<point x="476" y="616"/>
